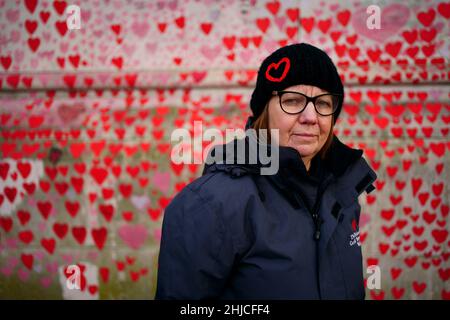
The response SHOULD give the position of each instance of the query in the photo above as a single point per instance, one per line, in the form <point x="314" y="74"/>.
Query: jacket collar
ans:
<point x="292" y="170"/>
<point x="340" y="156"/>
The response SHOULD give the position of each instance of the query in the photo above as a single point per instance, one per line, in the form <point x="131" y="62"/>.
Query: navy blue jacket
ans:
<point x="236" y="234"/>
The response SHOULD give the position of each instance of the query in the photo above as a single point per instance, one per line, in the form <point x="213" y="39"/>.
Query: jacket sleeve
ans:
<point x="196" y="253"/>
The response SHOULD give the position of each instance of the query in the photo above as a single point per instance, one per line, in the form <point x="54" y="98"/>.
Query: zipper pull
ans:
<point x="317" y="235"/>
<point x="317" y="224"/>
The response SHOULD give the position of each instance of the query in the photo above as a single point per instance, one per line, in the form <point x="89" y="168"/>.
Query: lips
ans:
<point x="305" y="134"/>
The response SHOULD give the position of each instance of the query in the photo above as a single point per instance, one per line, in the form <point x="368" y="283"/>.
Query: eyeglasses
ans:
<point x="295" y="102"/>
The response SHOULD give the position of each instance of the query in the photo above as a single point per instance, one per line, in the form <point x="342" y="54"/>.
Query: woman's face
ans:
<point x="292" y="127"/>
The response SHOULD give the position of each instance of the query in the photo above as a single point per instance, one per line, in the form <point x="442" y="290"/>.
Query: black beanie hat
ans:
<point x="291" y="65"/>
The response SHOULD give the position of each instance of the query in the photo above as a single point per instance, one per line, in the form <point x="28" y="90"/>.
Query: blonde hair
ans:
<point x="262" y="122"/>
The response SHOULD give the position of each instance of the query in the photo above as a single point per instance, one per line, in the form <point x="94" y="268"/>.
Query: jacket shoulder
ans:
<point x="216" y="199"/>
<point x="219" y="189"/>
<point x="219" y="196"/>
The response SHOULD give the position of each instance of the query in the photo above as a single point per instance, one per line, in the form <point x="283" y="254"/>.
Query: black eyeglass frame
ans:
<point x="308" y="99"/>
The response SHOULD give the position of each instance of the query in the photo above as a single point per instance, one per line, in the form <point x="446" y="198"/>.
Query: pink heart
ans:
<point x="214" y="15"/>
<point x="52" y="267"/>
<point x="19" y="55"/>
<point x="393" y="18"/>
<point x="140" y="28"/>
<point x="172" y="48"/>
<point x="42" y="226"/>
<point x="85" y="15"/>
<point x="280" y="21"/>
<point x="11" y="243"/>
<point x="151" y="47"/>
<point x="69" y="113"/>
<point x="210" y="52"/>
<point x="103" y="47"/>
<point x="12" y="262"/>
<point x="270" y="45"/>
<point x="46" y="55"/>
<point x="246" y="55"/>
<point x="67" y="258"/>
<point x="102" y="59"/>
<point x="44" y="78"/>
<point x="129" y="50"/>
<point x="15" y="36"/>
<point x="46" y="281"/>
<point x="439" y="26"/>
<point x="334" y="7"/>
<point x="98" y="22"/>
<point x="34" y="63"/>
<point x="157" y="235"/>
<point x="162" y="181"/>
<point x="173" y="4"/>
<point x="12" y="15"/>
<point x="23" y="274"/>
<point x="103" y="77"/>
<point x="134" y="236"/>
<point x="436" y="94"/>
<point x="181" y="35"/>
<point x="140" y="202"/>
<point x="64" y="47"/>
<point x="31" y="202"/>
<point x="39" y="255"/>
<point x="93" y="255"/>
<point x="47" y="36"/>
<point x="98" y="33"/>
<point x="162" y="78"/>
<point x="7" y="271"/>
<point x="322" y="40"/>
<point x="364" y="219"/>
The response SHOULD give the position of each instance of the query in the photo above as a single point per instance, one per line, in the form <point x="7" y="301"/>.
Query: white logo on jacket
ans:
<point x="354" y="237"/>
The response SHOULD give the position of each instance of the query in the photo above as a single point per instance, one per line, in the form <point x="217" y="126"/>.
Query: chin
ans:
<point x="305" y="151"/>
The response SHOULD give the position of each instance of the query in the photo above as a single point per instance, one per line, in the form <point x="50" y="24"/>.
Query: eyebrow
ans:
<point x="323" y="92"/>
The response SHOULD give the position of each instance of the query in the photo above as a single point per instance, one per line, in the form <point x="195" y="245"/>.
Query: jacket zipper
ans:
<point x="316" y="237"/>
<point x="318" y="223"/>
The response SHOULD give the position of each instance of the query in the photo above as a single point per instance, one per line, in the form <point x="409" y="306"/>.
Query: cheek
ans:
<point x="325" y="127"/>
<point x="282" y="122"/>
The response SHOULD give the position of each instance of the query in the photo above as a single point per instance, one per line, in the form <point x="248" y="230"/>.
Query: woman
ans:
<point x="236" y="234"/>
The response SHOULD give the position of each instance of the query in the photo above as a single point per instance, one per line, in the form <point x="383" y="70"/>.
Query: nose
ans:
<point x="308" y="115"/>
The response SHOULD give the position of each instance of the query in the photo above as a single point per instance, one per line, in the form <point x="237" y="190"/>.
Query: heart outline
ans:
<point x="276" y="66"/>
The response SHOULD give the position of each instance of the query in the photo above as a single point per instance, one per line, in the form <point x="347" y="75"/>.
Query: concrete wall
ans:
<point x="86" y="117"/>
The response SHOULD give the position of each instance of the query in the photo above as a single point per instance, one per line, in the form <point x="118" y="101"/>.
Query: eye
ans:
<point x="291" y="101"/>
<point x="324" y="103"/>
